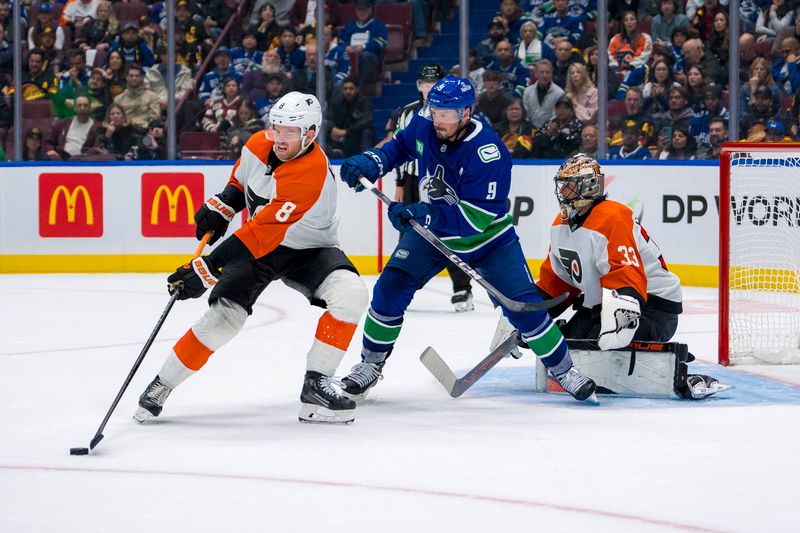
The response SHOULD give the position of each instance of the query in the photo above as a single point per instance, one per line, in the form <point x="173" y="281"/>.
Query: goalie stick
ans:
<point x="428" y="235"/>
<point x="457" y="386"/>
<point x="99" y="435"/>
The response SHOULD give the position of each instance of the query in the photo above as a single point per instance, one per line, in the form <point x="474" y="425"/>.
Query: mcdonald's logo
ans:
<point x="71" y="205"/>
<point x="169" y="201"/>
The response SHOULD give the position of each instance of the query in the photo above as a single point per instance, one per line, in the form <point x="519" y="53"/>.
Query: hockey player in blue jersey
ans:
<point x="464" y="180"/>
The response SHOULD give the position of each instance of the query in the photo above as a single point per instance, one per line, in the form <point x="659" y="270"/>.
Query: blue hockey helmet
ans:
<point x="452" y="93"/>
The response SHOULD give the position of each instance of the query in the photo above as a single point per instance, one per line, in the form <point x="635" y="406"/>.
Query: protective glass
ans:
<point x="445" y="116"/>
<point x="284" y="133"/>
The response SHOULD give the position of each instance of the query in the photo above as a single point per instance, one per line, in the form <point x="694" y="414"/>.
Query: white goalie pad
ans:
<point x="641" y="370"/>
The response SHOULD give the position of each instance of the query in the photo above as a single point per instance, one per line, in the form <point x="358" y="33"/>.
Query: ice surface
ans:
<point x="228" y="454"/>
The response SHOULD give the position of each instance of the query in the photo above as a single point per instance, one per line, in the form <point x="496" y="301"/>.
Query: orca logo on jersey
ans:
<point x="438" y="189"/>
<point x="571" y="262"/>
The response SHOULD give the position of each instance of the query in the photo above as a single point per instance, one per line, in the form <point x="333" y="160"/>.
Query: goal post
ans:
<point x="759" y="253"/>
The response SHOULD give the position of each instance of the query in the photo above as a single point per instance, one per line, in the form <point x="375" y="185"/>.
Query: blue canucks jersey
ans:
<point x="468" y="180"/>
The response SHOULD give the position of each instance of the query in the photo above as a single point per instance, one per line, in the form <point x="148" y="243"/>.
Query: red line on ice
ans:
<point x="382" y="488"/>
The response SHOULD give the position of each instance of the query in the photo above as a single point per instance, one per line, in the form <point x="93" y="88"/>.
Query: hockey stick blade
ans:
<point x="428" y="235"/>
<point x="457" y="386"/>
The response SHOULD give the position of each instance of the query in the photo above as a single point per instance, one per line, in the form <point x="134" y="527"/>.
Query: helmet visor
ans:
<point x="280" y="133"/>
<point x="445" y="116"/>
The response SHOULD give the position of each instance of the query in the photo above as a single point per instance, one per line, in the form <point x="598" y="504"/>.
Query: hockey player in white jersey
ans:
<point x="599" y="252"/>
<point x="615" y="273"/>
<point x="284" y="180"/>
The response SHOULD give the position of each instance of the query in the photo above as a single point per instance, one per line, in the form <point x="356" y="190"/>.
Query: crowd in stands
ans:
<point x="94" y="74"/>
<point x="668" y="76"/>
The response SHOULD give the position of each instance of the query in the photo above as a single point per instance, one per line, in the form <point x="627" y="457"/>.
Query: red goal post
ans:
<point x="759" y="253"/>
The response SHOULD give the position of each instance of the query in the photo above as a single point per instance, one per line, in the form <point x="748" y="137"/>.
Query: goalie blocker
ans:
<point x="639" y="370"/>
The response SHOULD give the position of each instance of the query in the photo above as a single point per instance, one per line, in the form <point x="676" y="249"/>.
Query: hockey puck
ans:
<point x="79" y="451"/>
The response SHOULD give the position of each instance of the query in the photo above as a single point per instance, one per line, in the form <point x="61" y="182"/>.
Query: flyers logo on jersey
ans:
<point x="571" y="262"/>
<point x="70" y="205"/>
<point x="169" y="201"/>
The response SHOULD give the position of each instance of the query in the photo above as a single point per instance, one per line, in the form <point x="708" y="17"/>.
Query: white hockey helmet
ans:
<point x="579" y="183"/>
<point x="299" y="110"/>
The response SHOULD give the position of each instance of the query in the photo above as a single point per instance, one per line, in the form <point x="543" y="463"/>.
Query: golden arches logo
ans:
<point x="71" y="199"/>
<point x="172" y="202"/>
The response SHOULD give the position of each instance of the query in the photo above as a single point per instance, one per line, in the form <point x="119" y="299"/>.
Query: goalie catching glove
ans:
<point x="619" y="319"/>
<point x="193" y="278"/>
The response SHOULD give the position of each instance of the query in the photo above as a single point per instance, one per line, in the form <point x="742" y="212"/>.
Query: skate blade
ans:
<point x="142" y="415"/>
<point x="592" y="400"/>
<point x="316" y="414"/>
<point x="462" y="308"/>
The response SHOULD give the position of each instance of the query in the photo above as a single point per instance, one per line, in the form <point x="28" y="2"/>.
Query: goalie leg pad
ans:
<point x="647" y="371"/>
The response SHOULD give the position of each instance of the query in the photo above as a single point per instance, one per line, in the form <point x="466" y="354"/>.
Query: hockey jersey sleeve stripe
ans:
<point x="478" y="218"/>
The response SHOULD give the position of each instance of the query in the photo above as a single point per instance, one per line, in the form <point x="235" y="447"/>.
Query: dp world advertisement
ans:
<point x="135" y="218"/>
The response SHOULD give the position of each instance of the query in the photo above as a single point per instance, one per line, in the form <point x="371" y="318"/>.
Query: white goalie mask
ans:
<point x="299" y="110"/>
<point x="579" y="182"/>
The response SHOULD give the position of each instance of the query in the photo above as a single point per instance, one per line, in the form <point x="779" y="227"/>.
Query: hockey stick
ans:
<point x="457" y="386"/>
<point x="99" y="435"/>
<point x="428" y="235"/>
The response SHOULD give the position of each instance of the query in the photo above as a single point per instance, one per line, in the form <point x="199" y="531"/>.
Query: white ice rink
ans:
<point x="228" y="454"/>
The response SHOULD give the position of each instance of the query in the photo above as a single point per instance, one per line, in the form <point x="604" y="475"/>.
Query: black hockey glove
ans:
<point x="193" y="278"/>
<point x="214" y="215"/>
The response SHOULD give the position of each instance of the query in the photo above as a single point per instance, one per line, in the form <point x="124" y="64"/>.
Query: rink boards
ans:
<point x="138" y="218"/>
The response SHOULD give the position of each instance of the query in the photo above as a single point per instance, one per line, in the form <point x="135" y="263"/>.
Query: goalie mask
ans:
<point x="579" y="183"/>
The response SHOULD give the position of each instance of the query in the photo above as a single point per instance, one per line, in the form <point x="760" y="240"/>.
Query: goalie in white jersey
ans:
<point x="604" y="258"/>
<point x="621" y="287"/>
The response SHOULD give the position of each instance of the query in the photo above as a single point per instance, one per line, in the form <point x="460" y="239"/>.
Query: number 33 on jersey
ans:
<point x="608" y="249"/>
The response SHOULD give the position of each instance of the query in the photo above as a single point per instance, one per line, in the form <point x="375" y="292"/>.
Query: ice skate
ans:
<point x="579" y="386"/>
<point x="462" y="301"/>
<point x="361" y="378"/>
<point x="321" y="404"/>
<point x="699" y="386"/>
<point x="152" y="400"/>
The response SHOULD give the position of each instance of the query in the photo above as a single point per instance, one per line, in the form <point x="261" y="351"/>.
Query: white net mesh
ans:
<point x="764" y="288"/>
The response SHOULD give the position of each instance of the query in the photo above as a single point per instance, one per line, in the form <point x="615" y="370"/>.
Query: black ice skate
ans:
<point x="462" y="301"/>
<point x="361" y="378"/>
<point x="579" y="386"/>
<point x="321" y="404"/>
<point x="152" y="400"/>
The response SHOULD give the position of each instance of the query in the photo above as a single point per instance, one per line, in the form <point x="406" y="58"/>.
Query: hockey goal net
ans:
<point x="759" y="253"/>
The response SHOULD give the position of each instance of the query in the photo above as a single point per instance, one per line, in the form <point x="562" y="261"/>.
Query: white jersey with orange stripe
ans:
<point x="290" y="203"/>
<point x="610" y="249"/>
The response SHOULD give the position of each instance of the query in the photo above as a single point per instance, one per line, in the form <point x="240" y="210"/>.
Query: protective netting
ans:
<point x="764" y="288"/>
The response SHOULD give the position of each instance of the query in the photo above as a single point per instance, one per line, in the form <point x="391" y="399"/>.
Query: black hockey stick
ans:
<point x="428" y="235"/>
<point x="99" y="435"/>
<point x="457" y="386"/>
